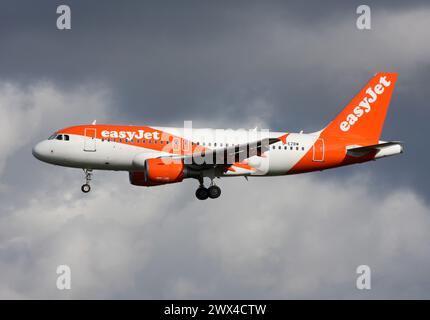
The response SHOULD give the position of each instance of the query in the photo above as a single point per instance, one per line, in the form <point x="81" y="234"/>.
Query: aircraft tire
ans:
<point x="202" y="193"/>
<point x="214" y="192"/>
<point x="86" y="188"/>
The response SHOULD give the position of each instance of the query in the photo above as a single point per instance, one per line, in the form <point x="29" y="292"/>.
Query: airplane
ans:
<point x="156" y="156"/>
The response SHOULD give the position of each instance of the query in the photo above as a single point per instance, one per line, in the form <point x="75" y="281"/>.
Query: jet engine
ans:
<point x="158" y="171"/>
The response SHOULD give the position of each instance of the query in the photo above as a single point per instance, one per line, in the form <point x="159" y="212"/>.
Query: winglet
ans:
<point x="283" y="138"/>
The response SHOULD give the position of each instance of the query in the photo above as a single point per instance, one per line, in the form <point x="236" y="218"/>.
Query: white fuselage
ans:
<point x="98" y="153"/>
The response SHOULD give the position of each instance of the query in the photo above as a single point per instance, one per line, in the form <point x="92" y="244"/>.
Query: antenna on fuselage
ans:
<point x="94" y="122"/>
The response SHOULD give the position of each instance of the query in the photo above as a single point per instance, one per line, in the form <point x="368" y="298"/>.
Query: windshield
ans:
<point x="52" y="136"/>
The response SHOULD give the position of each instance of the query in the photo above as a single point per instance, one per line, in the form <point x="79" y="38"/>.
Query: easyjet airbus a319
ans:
<point x="155" y="156"/>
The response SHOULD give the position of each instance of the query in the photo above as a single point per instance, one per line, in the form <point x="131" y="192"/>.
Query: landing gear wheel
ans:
<point x="85" y="188"/>
<point x="214" y="192"/>
<point x="202" y="193"/>
<point x="88" y="175"/>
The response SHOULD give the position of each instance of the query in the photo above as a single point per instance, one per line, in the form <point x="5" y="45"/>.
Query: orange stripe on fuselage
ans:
<point x="154" y="139"/>
<point x="334" y="156"/>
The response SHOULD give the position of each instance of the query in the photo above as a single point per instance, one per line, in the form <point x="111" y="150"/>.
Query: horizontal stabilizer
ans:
<point x="360" y="151"/>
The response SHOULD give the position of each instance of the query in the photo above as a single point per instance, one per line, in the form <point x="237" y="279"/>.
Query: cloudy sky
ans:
<point x="233" y="64"/>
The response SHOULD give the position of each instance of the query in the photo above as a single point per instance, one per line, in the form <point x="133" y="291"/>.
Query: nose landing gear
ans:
<point x="88" y="176"/>
<point x="213" y="192"/>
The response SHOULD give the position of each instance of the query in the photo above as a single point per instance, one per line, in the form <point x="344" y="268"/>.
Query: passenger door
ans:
<point x="90" y="139"/>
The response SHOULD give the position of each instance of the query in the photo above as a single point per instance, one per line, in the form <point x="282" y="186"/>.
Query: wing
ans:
<point x="225" y="157"/>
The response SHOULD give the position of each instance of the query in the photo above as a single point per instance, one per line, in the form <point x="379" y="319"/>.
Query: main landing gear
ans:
<point x="212" y="192"/>
<point x="88" y="175"/>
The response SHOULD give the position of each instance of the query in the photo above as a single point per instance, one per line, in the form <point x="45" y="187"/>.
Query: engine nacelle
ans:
<point x="157" y="172"/>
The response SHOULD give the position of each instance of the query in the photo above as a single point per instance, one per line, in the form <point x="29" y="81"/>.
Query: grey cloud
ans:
<point x="160" y="63"/>
<point x="33" y="112"/>
<point x="273" y="247"/>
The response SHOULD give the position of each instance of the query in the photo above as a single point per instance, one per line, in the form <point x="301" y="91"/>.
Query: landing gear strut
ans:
<point x="213" y="192"/>
<point x="88" y="175"/>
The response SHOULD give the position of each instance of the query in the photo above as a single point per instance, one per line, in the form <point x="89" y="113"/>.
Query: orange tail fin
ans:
<point x="363" y="118"/>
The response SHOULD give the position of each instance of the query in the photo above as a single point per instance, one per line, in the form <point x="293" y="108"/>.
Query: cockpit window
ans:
<point x="56" y="136"/>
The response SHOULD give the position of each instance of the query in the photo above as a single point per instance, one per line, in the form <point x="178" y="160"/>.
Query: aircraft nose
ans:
<point x="41" y="151"/>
